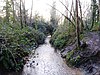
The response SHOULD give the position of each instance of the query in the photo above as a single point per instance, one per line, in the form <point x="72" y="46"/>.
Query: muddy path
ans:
<point x="47" y="62"/>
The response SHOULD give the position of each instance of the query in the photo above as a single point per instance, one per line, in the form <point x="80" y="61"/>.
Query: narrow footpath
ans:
<point x="47" y="62"/>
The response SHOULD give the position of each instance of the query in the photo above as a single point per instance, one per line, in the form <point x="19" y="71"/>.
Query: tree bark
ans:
<point x="13" y="11"/>
<point x="93" y="12"/>
<point x="77" y="25"/>
<point x="82" y="25"/>
<point x="99" y="15"/>
<point x="7" y="11"/>
<point x="31" y="12"/>
<point x="64" y="16"/>
<point x="21" y="14"/>
<point x="68" y="11"/>
<point x="24" y="12"/>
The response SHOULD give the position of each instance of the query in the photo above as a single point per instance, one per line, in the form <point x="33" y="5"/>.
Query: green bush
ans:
<point x="60" y="41"/>
<point x="72" y="59"/>
<point x="56" y="34"/>
<point x="15" y="44"/>
<point x="61" y="37"/>
<point x="43" y="27"/>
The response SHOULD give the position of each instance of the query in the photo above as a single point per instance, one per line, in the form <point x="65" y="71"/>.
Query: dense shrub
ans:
<point x="60" y="41"/>
<point x="43" y="27"/>
<point x="61" y="37"/>
<point x="72" y="58"/>
<point x="15" y="44"/>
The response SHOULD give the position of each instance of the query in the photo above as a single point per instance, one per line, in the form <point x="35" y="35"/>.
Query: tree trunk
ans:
<point x="24" y="12"/>
<point x="31" y="12"/>
<point x="93" y="13"/>
<point x="13" y="11"/>
<point x="21" y="14"/>
<point x="77" y="25"/>
<point x="82" y="25"/>
<point x="7" y="11"/>
<point x="99" y="15"/>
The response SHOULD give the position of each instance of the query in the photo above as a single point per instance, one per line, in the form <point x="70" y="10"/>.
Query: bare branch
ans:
<point x="64" y="16"/>
<point x="31" y="12"/>
<point x="82" y="25"/>
<point x="67" y="9"/>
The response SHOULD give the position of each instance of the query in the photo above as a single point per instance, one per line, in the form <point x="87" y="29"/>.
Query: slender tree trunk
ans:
<point x="99" y="10"/>
<point x="7" y="11"/>
<point x="24" y="12"/>
<point x="93" y="13"/>
<point x="82" y="25"/>
<point x="21" y="14"/>
<point x="77" y="25"/>
<point x="66" y="21"/>
<point x="31" y="12"/>
<point x="99" y="15"/>
<point x="13" y="11"/>
<point x="66" y="10"/>
<point x="71" y="10"/>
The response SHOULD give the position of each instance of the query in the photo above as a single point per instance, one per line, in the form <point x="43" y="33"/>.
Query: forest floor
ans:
<point x="47" y="62"/>
<point x="89" y="55"/>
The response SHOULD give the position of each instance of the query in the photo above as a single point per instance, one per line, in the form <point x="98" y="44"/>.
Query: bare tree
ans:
<point x="13" y="10"/>
<point x="21" y="14"/>
<point x="68" y="10"/>
<point x="31" y="12"/>
<point x="99" y="14"/>
<point x="53" y="16"/>
<point x="81" y="18"/>
<point x="24" y="12"/>
<point x="77" y="25"/>
<point x="94" y="8"/>
<point x="64" y="16"/>
<point x="72" y="8"/>
<point x="99" y="9"/>
<point x="70" y="15"/>
<point x="7" y="11"/>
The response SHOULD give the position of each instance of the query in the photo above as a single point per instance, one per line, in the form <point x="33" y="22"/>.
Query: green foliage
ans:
<point x="65" y="36"/>
<point x="42" y="26"/>
<point x="92" y="22"/>
<point x="81" y="36"/>
<point x="71" y="59"/>
<point x="96" y="26"/>
<point x="15" y="44"/>
<point x="69" y="55"/>
<point x="60" y="41"/>
<point x="62" y="37"/>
